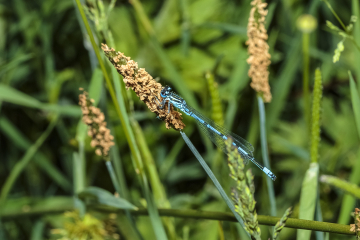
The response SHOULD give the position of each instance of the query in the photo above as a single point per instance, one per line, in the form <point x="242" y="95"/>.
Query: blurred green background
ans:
<point x="46" y="55"/>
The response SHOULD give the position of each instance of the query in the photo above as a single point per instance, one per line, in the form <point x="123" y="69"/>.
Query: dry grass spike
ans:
<point x="145" y="87"/>
<point x="102" y="140"/>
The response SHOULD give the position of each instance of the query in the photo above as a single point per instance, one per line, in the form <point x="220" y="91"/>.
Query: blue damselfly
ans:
<point x="215" y="132"/>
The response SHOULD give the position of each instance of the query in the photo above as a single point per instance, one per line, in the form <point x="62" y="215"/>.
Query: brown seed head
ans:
<point x="258" y="50"/>
<point x="145" y="87"/>
<point x="94" y="118"/>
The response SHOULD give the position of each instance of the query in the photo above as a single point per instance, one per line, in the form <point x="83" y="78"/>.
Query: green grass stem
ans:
<point x="336" y="16"/>
<point x="348" y="187"/>
<point x="349" y="201"/>
<point x="355" y="6"/>
<point x="152" y="172"/>
<point x="306" y="71"/>
<point x="308" y="198"/>
<point x="213" y="179"/>
<point x="51" y="205"/>
<point x="156" y="222"/>
<point x="265" y="155"/>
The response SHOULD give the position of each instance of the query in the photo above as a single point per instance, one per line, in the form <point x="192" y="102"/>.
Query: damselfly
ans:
<point x="215" y="132"/>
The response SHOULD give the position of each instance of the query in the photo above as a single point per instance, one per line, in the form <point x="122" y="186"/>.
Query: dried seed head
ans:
<point x="145" y="87"/>
<point x="94" y="118"/>
<point x="258" y="50"/>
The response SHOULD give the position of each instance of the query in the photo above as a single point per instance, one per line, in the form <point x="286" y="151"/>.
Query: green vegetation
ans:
<point x="54" y="185"/>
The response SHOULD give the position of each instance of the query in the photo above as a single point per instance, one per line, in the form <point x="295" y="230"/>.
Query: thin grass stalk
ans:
<point x="24" y="161"/>
<point x="156" y="185"/>
<point x="67" y="204"/>
<point x="113" y="177"/>
<point x="139" y="166"/>
<point x="158" y="228"/>
<point x="221" y="231"/>
<point x="185" y="28"/>
<point x="102" y="140"/>
<point x="348" y="201"/>
<point x="318" y="217"/>
<point x="130" y="137"/>
<point x="306" y="70"/>
<point x="119" y="172"/>
<point x="79" y="169"/>
<point x="286" y="77"/>
<point x="348" y="187"/>
<point x="15" y="136"/>
<point x="336" y="16"/>
<point x="122" y="190"/>
<point x="214" y="180"/>
<point x="176" y="78"/>
<point x="265" y="155"/>
<point x="262" y="219"/>
<point x="355" y="7"/>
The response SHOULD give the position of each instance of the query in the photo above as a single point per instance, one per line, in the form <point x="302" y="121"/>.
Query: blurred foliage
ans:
<point x="45" y="56"/>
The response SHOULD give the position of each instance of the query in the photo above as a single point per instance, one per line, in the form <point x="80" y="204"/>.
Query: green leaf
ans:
<point x="11" y="95"/>
<point x="355" y="100"/>
<point x="96" y="84"/>
<point x="14" y="96"/>
<point x="308" y="198"/>
<point x="99" y="196"/>
<point x="15" y="207"/>
<point x="15" y="62"/>
<point x="38" y="230"/>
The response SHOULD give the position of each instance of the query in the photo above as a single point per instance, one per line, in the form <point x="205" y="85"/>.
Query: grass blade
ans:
<point x="14" y="96"/>
<point x="355" y="100"/>
<point x="20" y="166"/>
<point x="308" y="198"/>
<point x="213" y="178"/>
<point x="138" y="164"/>
<point x="355" y="7"/>
<point x="101" y="197"/>
<point x="349" y="201"/>
<point x="19" y="140"/>
<point x="265" y="155"/>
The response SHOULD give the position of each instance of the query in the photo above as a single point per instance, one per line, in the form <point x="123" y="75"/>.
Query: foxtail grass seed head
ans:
<point x="281" y="223"/>
<point x="258" y="49"/>
<point x="306" y="23"/>
<point x="243" y="195"/>
<point x="102" y="140"/>
<point x="145" y="87"/>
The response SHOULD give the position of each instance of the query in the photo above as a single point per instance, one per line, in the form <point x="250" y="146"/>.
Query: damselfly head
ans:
<point x="165" y="91"/>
